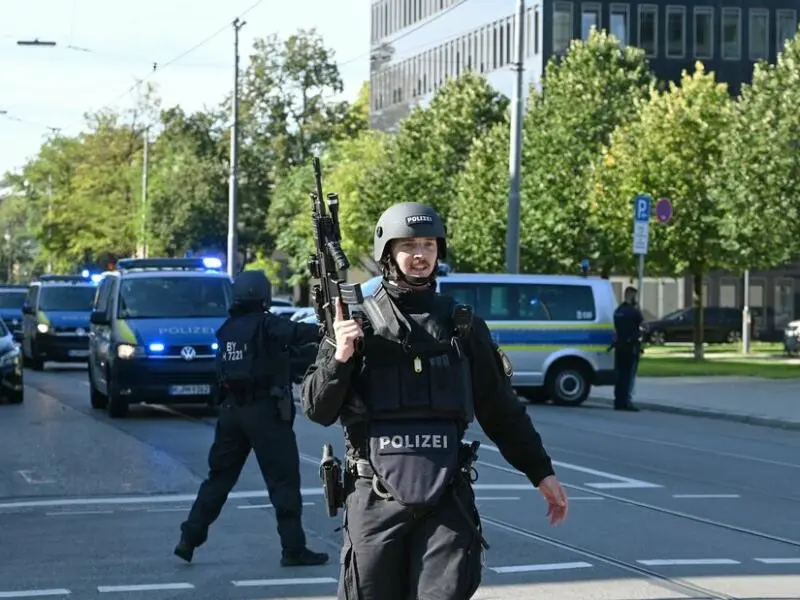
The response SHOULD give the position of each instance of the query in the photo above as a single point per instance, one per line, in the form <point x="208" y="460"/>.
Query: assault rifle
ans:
<point x="329" y="264"/>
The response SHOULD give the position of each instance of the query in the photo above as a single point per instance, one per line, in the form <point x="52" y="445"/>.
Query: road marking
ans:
<point x="31" y="478"/>
<point x="542" y="567"/>
<point x="618" y="481"/>
<point x="663" y="562"/>
<point x="706" y="496"/>
<point x="279" y="582"/>
<point x="248" y="506"/>
<point x="168" y="498"/>
<point x="160" y="510"/>
<point x="497" y="498"/>
<point x="35" y="593"/>
<point x="147" y="587"/>
<point x="779" y="561"/>
<point x="78" y="512"/>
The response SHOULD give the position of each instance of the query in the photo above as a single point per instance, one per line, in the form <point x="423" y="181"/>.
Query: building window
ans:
<point x="619" y="23"/>
<point x="731" y="33"/>
<point x="590" y="17"/>
<point x="759" y="34"/>
<point x="648" y="29"/>
<point x="785" y="27"/>
<point x="703" y="32"/>
<point x="562" y="26"/>
<point x="676" y="31"/>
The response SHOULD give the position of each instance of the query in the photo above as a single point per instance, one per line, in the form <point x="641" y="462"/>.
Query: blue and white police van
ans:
<point x="153" y="332"/>
<point x="12" y="297"/>
<point x="55" y="320"/>
<point x="556" y="329"/>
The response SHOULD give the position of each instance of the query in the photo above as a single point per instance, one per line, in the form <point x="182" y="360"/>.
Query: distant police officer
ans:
<point x="425" y="369"/>
<point x="256" y="412"/>
<point x="627" y="349"/>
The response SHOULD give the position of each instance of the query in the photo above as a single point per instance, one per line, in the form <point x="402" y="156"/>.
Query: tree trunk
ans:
<point x="697" y="303"/>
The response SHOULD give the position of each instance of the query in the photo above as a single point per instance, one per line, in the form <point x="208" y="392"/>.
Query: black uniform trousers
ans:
<point x="391" y="552"/>
<point x="626" y="362"/>
<point x="240" y="428"/>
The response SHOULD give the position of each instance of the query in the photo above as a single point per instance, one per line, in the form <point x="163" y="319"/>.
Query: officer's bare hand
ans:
<point x="347" y="333"/>
<point x="557" y="503"/>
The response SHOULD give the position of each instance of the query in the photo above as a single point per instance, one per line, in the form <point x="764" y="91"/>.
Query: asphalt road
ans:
<point x="662" y="506"/>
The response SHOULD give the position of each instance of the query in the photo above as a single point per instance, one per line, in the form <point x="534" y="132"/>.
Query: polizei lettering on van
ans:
<point x="185" y="330"/>
<point x="410" y="442"/>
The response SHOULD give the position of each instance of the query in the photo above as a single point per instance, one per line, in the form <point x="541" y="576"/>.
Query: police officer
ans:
<point x="627" y="349"/>
<point x="425" y="367"/>
<point x="256" y="412"/>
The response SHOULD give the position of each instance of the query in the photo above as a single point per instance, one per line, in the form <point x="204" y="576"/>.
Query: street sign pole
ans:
<point x="641" y="235"/>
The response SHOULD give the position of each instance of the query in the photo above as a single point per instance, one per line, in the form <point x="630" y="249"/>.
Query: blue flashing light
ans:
<point x="157" y="347"/>
<point x="215" y="346"/>
<point x="96" y="278"/>
<point x="212" y="262"/>
<point x="85" y="273"/>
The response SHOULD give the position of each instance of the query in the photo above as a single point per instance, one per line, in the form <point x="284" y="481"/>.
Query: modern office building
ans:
<point x="418" y="44"/>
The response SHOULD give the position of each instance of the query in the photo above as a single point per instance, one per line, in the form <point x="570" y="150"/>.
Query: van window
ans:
<point x="69" y="298"/>
<point x="162" y="297"/>
<point x="525" y="302"/>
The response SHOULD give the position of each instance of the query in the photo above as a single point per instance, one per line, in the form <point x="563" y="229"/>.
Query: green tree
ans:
<point x="759" y="174"/>
<point x="426" y="156"/>
<point x="479" y="217"/>
<point x="587" y="95"/>
<point x="671" y="151"/>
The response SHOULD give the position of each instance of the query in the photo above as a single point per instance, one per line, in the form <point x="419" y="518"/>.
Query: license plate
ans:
<point x="78" y="353"/>
<point x="189" y="390"/>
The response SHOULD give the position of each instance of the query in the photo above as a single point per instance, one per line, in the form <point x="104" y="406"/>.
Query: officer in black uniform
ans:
<point x="627" y="349"/>
<point x="424" y="369"/>
<point x="256" y="413"/>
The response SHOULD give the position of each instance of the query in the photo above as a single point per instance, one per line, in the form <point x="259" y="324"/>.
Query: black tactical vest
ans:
<point x="417" y="389"/>
<point x="238" y="355"/>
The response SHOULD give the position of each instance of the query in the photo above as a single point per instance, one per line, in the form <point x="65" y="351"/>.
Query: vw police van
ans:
<point x="556" y="329"/>
<point x="55" y="320"/>
<point x="12" y="297"/>
<point x="153" y="332"/>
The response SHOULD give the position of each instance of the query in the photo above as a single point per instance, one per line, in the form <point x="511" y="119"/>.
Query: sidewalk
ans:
<point x="771" y="402"/>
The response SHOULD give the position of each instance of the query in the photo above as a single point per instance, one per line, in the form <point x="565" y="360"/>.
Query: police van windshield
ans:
<point x="165" y="297"/>
<point x="71" y="298"/>
<point x="12" y="299"/>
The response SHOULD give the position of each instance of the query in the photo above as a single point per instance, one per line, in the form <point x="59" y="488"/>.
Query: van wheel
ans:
<point x="97" y="400"/>
<point x="117" y="405"/>
<point x="568" y="383"/>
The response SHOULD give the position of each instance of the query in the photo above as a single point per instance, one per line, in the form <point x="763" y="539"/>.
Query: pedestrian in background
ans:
<point x="627" y="349"/>
<point x="257" y="413"/>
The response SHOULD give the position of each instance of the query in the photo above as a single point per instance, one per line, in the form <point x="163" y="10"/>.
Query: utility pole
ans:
<point x="746" y="316"/>
<point x="515" y="150"/>
<point x="145" y="166"/>
<point x="233" y="190"/>
<point x="49" y="218"/>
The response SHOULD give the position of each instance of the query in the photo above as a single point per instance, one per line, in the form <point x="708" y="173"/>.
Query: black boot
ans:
<point x="303" y="558"/>
<point x="185" y="550"/>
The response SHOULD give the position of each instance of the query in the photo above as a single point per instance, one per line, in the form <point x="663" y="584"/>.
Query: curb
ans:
<point x="710" y="414"/>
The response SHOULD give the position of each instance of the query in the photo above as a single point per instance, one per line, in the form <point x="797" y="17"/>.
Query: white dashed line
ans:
<point x="35" y="593"/>
<point x="706" y="496"/>
<point x="147" y="587"/>
<point x="778" y="561"/>
<point x="664" y="562"/>
<point x="279" y="582"/>
<point x="64" y="513"/>
<point x="542" y="567"/>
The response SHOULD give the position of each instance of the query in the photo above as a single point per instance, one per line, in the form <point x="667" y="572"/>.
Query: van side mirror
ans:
<point x="27" y="309"/>
<point x="99" y="317"/>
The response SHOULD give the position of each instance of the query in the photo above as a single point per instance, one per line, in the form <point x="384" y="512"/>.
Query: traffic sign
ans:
<point x="663" y="210"/>
<point x="641" y="223"/>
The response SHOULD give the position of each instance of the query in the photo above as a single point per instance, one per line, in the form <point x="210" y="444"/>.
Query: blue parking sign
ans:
<point x="641" y="208"/>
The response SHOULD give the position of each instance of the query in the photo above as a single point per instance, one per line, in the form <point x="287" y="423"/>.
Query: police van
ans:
<point x="55" y="320"/>
<point x="555" y="329"/>
<point x="12" y="297"/>
<point x="153" y="332"/>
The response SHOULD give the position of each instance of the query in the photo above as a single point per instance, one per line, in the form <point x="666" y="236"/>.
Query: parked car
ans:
<point x="721" y="325"/>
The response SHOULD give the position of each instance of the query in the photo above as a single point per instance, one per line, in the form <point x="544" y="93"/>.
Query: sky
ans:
<point x="105" y="46"/>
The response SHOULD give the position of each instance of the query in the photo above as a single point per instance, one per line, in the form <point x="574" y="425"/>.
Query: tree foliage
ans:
<point x="671" y="151"/>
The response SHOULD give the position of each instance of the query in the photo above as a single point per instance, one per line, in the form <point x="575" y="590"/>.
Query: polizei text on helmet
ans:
<point x="418" y="219"/>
